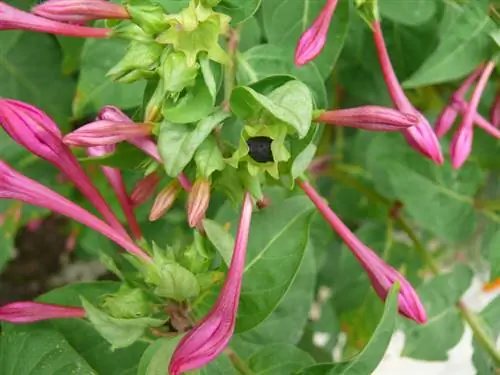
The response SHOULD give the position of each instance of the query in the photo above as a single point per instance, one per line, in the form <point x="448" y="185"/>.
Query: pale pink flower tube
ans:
<point x="373" y="118"/>
<point x="115" y="179"/>
<point x="421" y="137"/>
<point x="35" y="131"/>
<point x="14" y="19"/>
<point x="14" y="185"/>
<point x="313" y="39"/>
<point x="461" y="144"/>
<point x="382" y="276"/>
<point x="80" y="11"/>
<point x="30" y="312"/>
<point x="210" y="336"/>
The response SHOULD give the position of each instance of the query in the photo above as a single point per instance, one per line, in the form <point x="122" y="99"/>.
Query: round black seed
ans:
<point x="260" y="149"/>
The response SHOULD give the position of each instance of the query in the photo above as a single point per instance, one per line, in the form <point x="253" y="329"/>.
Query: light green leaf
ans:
<point x="157" y="356"/>
<point x="411" y="14"/>
<point x="177" y="143"/>
<point x="238" y="10"/>
<point x="208" y="158"/>
<point x="279" y="359"/>
<point x="220" y="238"/>
<point x="303" y="160"/>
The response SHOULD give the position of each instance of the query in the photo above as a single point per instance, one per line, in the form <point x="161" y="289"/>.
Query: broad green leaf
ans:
<point x="303" y="160"/>
<point x="279" y="359"/>
<point x="278" y="240"/>
<point x="30" y="70"/>
<point x="289" y="104"/>
<point x="462" y="47"/>
<point x="177" y="143"/>
<point x="493" y="253"/>
<point x="208" y="158"/>
<point x="444" y="327"/>
<point x="94" y="89"/>
<point x="220" y="238"/>
<point x="286" y="20"/>
<point x="491" y="325"/>
<point x="411" y="14"/>
<point x="238" y="10"/>
<point x="267" y="60"/>
<point x="157" y="356"/>
<point x="369" y="358"/>
<point x="126" y="157"/>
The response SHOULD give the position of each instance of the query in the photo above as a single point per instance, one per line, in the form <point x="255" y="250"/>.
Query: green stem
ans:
<point x="238" y="363"/>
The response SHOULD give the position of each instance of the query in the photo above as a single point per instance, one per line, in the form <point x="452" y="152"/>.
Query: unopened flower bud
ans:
<point x="495" y="111"/>
<point x="150" y="17"/>
<point x="445" y="120"/>
<point x="144" y="189"/>
<point x="176" y="73"/>
<point x="198" y="201"/>
<point x="164" y="200"/>
<point x="139" y="62"/>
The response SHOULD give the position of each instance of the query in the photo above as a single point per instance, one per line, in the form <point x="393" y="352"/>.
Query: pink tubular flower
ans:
<point x="103" y="133"/>
<point x="495" y="111"/>
<point x="115" y="179"/>
<point x="29" y="312"/>
<point x="421" y="137"/>
<point x="80" y="11"/>
<point x="372" y="118"/>
<point x="14" y="19"/>
<point x="212" y="334"/>
<point x="35" y="131"/>
<point x="461" y="145"/>
<point x="145" y="144"/>
<point x="313" y="39"/>
<point x="144" y="189"/>
<point x="382" y="276"/>
<point x="14" y="185"/>
<point x="479" y="120"/>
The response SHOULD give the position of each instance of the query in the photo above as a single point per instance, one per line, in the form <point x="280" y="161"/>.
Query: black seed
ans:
<point x="260" y="149"/>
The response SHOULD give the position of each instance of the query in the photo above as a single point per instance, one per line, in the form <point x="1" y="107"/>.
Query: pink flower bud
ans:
<point x="102" y="132"/>
<point x="80" y="11"/>
<point x="35" y="131"/>
<point x="495" y="111"/>
<point x="29" y="312"/>
<point x="198" y="201"/>
<point x="421" y="136"/>
<point x="211" y="335"/>
<point x="164" y="200"/>
<point x="372" y="118"/>
<point x="14" y="19"/>
<point x="144" y="189"/>
<point x="461" y="144"/>
<point x="313" y="39"/>
<point x="382" y="276"/>
<point x="445" y="120"/>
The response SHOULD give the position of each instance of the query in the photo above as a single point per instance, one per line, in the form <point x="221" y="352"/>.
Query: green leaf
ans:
<point x="290" y="104"/>
<point x="94" y="89"/>
<point x="266" y="60"/>
<point x="492" y="253"/>
<point x="463" y="46"/>
<point x="369" y="358"/>
<point x="238" y="10"/>
<point x="444" y="327"/>
<point x="177" y="143"/>
<point x="303" y="160"/>
<point x="278" y="240"/>
<point x="491" y="325"/>
<point x="126" y="157"/>
<point x="279" y="359"/>
<point x="286" y="20"/>
<point x="119" y="332"/>
<point x="30" y="70"/>
<point x="416" y="13"/>
<point x="176" y="282"/>
<point x="220" y="238"/>
<point x="208" y="158"/>
<point x="157" y="356"/>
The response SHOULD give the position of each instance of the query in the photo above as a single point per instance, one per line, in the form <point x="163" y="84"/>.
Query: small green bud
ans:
<point x="127" y="303"/>
<point x="130" y="31"/>
<point x="150" y="17"/>
<point x="140" y="61"/>
<point x="176" y="73"/>
<point x="195" y="257"/>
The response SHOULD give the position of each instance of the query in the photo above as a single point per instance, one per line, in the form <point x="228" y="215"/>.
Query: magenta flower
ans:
<point x="421" y="137"/>
<point x="382" y="276"/>
<point x="14" y="19"/>
<point x="372" y="118"/>
<point x="14" y="185"/>
<point x="313" y="39"/>
<point x="144" y="189"/>
<point x="35" y="131"/>
<point x="29" y="312"/>
<point x="104" y="132"/>
<point x="479" y="120"/>
<point x="80" y="11"/>
<point x="461" y="145"/>
<point x="211" y="335"/>
<point x="145" y="144"/>
<point x="115" y="179"/>
<point x="449" y="114"/>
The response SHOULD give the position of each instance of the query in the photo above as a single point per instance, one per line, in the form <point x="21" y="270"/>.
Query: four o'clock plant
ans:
<point x="222" y="189"/>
